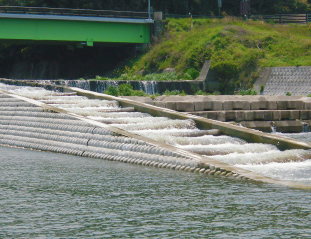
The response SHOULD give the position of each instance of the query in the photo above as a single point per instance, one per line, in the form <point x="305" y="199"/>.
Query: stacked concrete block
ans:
<point x="289" y="126"/>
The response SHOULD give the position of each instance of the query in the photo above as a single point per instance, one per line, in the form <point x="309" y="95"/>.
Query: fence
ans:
<point x="284" y="18"/>
<point x="165" y="15"/>
<point x="72" y="12"/>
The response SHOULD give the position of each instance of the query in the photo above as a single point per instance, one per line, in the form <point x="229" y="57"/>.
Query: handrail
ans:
<point x="72" y="12"/>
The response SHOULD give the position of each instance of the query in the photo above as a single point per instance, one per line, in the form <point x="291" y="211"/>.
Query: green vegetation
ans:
<point x="238" y="49"/>
<point x="124" y="90"/>
<point x="288" y="93"/>
<point x="247" y="92"/>
<point x="152" y="77"/>
<point x="262" y="88"/>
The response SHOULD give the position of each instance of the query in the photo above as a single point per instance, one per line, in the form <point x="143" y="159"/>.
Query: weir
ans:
<point x="65" y="122"/>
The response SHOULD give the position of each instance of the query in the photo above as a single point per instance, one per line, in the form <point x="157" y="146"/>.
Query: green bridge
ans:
<point x="73" y="26"/>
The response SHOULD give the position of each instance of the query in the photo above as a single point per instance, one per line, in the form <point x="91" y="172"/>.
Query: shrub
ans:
<point x="247" y="92"/>
<point x="288" y="93"/>
<point x="173" y="92"/>
<point x="193" y="73"/>
<point x="126" y="90"/>
<point x="200" y="92"/>
<point x="112" y="90"/>
<point x="262" y="88"/>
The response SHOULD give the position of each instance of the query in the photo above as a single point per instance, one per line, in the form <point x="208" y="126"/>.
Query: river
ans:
<point x="48" y="195"/>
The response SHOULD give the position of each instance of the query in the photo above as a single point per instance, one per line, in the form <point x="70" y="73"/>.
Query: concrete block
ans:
<point x="254" y="105"/>
<point x="246" y="105"/>
<point x="237" y="105"/>
<point x="293" y="126"/>
<point x="230" y="115"/>
<point x="239" y="116"/>
<point x="304" y="114"/>
<point x="185" y="106"/>
<point x="276" y="115"/>
<point x="198" y="105"/>
<point x="295" y="105"/>
<point x="211" y="115"/>
<point x="263" y="126"/>
<point x="170" y="105"/>
<point x="221" y="116"/>
<point x="284" y="114"/>
<point x="263" y="105"/>
<point x="159" y="104"/>
<point x="293" y="114"/>
<point x="249" y="115"/>
<point x="208" y="104"/>
<point x="227" y="105"/>
<point x="263" y="115"/>
<point x="307" y="105"/>
<point x="272" y="105"/>
<point x="217" y="105"/>
<point x="281" y="105"/>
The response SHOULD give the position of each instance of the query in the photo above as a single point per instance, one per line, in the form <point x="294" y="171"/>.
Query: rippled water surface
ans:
<point x="47" y="195"/>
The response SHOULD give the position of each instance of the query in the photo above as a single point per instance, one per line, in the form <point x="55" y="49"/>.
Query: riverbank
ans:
<point x="238" y="50"/>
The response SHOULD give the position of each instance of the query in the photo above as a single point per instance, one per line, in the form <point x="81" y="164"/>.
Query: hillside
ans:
<point x="238" y="49"/>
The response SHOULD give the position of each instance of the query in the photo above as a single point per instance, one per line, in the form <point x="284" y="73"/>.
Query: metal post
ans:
<point x="219" y="6"/>
<point x="149" y="10"/>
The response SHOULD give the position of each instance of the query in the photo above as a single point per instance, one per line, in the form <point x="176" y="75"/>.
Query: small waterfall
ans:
<point x="305" y="127"/>
<point x="273" y="127"/>
<point x="82" y="84"/>
<point x="149" y="87"/>
<point x="101" y="86"/>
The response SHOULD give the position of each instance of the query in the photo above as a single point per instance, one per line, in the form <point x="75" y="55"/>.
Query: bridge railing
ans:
<point x="284" y="18"/>
<point x="73" y="12"/>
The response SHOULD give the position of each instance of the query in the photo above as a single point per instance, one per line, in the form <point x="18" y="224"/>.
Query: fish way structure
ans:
<point x="50" y="121"/>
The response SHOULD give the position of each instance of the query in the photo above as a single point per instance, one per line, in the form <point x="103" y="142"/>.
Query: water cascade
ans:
<point x="149" y="87"/>
<point x="27" y="125"/>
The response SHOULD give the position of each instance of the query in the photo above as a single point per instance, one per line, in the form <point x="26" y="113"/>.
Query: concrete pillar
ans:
<point x="158" y="23"/>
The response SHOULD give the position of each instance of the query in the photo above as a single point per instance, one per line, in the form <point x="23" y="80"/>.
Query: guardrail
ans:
<point x="73" y="12"/>
<point x="284" y="18"/>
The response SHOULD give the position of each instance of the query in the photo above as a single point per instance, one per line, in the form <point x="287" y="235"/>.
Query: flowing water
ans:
<point x="290" y="165"/>
<point x="48" y="195"/>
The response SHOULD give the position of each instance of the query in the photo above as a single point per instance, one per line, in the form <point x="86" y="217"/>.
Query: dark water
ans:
<point x="47" y="195"/>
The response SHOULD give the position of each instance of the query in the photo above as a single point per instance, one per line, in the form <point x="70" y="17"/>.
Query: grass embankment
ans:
<point x="237" y="49"/>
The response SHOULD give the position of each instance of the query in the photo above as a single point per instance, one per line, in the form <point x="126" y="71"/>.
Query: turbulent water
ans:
<point x="290" y="165"/>
<point x="48" y="195"/>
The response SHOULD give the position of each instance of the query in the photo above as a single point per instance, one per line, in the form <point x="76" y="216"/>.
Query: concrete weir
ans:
<point x="29" y="123"/>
